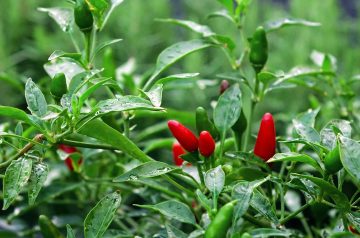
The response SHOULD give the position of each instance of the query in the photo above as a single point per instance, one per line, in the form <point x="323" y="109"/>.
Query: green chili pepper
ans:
<point x="48" y="229"/>
<point x="239" y="128"/>
<point x="258" y="49"/>
<point x="83" y="16"/>
<point x="203" y="123"/>
<point x="109" y="63"/>
<point x="222" y="221"/>
<point x="332" y="161"/>
<point x="58" y="86"/>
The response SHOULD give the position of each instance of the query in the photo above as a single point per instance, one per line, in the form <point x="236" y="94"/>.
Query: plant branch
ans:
<point x="24" y="150"/>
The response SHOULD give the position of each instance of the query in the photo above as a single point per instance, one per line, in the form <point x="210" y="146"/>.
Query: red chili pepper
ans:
<point x="177" y="150"/>
<point x="353" y="230"/>
<point x="206" y="144"/>
<point x="69" y="150"/>
<point x="223" y="86"/>
<point x="183" y="135"/>
<point x="266" y="140"/>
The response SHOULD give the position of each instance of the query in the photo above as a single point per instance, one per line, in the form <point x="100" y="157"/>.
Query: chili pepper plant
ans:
<point x="98" y="153"/>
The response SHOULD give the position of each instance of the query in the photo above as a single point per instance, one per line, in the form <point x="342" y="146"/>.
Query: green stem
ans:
<point x="87" y="145"/>
<point x="248" y="133"/>
<point x="306" y="227"/>
<point x="24" y="150"/>
<point x="256" y="221"/>
<point x="286" y="219"/>
<point x="87" y="48"/>
<point x="179" y="186"/>
<point x="76" y="46"/>
<point x="356" y="201"/>
<point x="200" y="174"/>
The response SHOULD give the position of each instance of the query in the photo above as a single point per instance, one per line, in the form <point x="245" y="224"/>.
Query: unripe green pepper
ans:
<point x="332" y="161"/>
<point x="48" y="229"/>
<point x="203" y="123"/>
<point x="221" y="222"/>
<point x="258" y="49"/>
<point x="83" y="16"/>
<point x="109" y="64"/>
<point x="239" y="128"/>
<point x="58" y="86"/>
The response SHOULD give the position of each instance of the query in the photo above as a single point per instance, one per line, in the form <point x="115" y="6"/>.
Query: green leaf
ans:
<point x="100" y="217"/>
<point x="308" y="117"/>
<point x="269" y="232"/>
<point x="204" y="30"/>
<point x="48" y="229"/>
<point x="104" y="133"/>
<point x="281" y="23"/>
<point x="35" y="99"/>
<point x="173" y="210"/>
<point x="306" y="132"/>
<point x="215" y="180"/>
<point x="262" y="204"/>
<point x="174" y="232"/>
<point x="326" y="61"/>
<point x="101" y="46"/>
<point x="301" y="72"/>
<point x="291" y="156"/>
<point x="69" y="232"/>
<point x="15" y="113"/>
<point x="349" y="155"/>
<point x="146" y="170"/>
<point x="172" y="54"/>
<point x="227" y="110"/>
<point x="85" y="95"/>
<point x="113" y="5"/>
<point x="64" y="17"/>
<point x="243" y="191"/>
<point x="63" y="65"/>
<point x="176" y="77"/>
<point x="61" y="54"/>
<point x="228" y="4"/>
<point x="98" y="9"/>
<point x="328" y="134"/>
<point x="37" y="179"/>
<point x="339" y="198"/>
<point x="16" y="176"/>
<point x="155" y="94"/>
<point x="125" y="103"/>
<point x="224" y="14"/>
<point x="205" y="202"/>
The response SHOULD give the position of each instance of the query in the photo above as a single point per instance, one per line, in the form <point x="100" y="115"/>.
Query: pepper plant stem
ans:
<point x="286" y="219"/>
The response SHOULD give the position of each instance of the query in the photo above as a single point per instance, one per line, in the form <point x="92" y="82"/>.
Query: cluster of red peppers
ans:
<point x="205" y="144"/>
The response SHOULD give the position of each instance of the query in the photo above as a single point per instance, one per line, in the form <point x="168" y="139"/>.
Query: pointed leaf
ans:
<point x="291" y="156"/>
<point x="37" y="179"/>
<point x="105" y="133"/>
<point x="63" y="16"/>
<point x="227" y="110"/>
<point x="16" y="177"/>
<point x="201" y="29"/>
<point x="350" y="152"/>
<point x="35" y="99"/>
<point x="262" y="204"/>
<point x="146" y="170"/>
<point x="215" y="180"/>
<point x="172" y="54"/>
<point x="125" y="103"/>
<point x="173" y="210"/>
<point x="100" y="217"/>
<point x="339" y="198"/>
<point x="278" y="24"/>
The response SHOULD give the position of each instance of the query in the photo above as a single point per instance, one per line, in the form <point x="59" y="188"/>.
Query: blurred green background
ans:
<point x="29" y="36"/>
